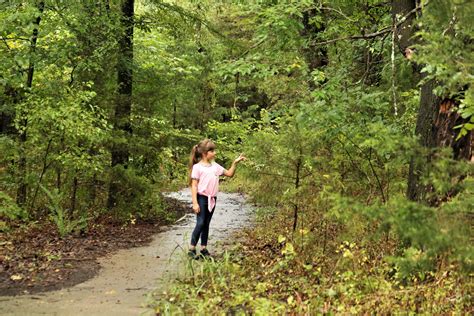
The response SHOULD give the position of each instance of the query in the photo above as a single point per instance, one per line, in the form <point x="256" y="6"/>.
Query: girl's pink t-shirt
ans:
<point x="208" y="177"/>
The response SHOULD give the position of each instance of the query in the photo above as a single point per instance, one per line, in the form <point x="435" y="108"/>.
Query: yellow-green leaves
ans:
<point x="288" y="250"/>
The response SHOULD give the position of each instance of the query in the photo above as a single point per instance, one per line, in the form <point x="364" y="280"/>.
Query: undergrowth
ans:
<point x="275" y="271"/>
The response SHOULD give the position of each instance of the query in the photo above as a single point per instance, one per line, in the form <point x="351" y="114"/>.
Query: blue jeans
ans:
<point x="203" y="219"/>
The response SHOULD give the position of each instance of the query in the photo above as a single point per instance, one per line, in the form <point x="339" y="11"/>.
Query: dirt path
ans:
<point x="125" y="278"/>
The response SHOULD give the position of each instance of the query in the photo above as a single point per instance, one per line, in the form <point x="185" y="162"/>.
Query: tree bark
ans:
<point x="22" y="186"/>
<point x="122" y="124"/>
<point x="299" y="165"/>
<point x="75" y="184"/>
<point x="425" y="131"/>
<point x="404" y="32"/>
<point x="436" y="117"/>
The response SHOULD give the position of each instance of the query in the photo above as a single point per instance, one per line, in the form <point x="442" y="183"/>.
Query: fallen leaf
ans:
<point x="16" y="277"/>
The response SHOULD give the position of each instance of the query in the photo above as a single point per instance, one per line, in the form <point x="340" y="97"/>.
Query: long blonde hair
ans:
<point x="198" y="150"/>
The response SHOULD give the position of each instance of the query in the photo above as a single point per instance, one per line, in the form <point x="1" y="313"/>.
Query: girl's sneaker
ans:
<point x="205" y="253"/>
<point x="192" y="253"/>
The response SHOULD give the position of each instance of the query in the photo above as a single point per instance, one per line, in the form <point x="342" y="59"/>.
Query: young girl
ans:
<point x="204" y="180"/>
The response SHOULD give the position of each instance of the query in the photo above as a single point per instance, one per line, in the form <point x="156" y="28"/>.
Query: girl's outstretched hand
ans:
<point x="240" y="158"/>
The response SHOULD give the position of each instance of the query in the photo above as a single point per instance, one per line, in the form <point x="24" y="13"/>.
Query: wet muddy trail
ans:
<point x="127" y="276"/>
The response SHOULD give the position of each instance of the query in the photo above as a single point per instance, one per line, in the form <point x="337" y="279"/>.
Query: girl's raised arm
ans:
<point x="231" y="171"/>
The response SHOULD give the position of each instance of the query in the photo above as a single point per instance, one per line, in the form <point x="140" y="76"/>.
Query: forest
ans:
<point x="356" y="118"/>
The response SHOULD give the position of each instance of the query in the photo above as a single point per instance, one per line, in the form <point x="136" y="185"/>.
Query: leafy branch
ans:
<point x="3" y="38"/>
<point x="383" y="31"/>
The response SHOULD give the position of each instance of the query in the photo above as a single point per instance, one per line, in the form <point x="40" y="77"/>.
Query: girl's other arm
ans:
<point x="194" y="189"/>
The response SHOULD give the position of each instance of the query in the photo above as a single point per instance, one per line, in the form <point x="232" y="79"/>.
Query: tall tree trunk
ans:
<point x="425" y="130"/>
<point x="404" y="32"/>
<point x="122" y="125"/>
<point x="22" y="186"/>
<point x="435" y="121"/>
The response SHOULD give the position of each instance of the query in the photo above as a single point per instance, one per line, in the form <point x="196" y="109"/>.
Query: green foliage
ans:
<point x="69" y="108"/>
<point x="324" y="113"/>
<point x="137" y="197"/>
<point x="350" y="151"/>
<point x="59" y="216"/>
<point x="261" y="276"/>
<point x="447" y="53"/>
<point x="10" y="210"/>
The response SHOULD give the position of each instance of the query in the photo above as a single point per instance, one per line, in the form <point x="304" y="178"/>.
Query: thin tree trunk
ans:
<point x="74" y="194"/>
<point x="174" y="151"/>
<point x="122" y="125"/>
<point x="22" y="187"/>
<point x="58" y="166"/>
<point x="297" y="185"/>
<point x="93" y="191"/>
<point x="43" y="171"/>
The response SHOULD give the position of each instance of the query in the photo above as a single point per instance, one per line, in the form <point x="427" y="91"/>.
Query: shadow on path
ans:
<point x="126" y="276"/>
